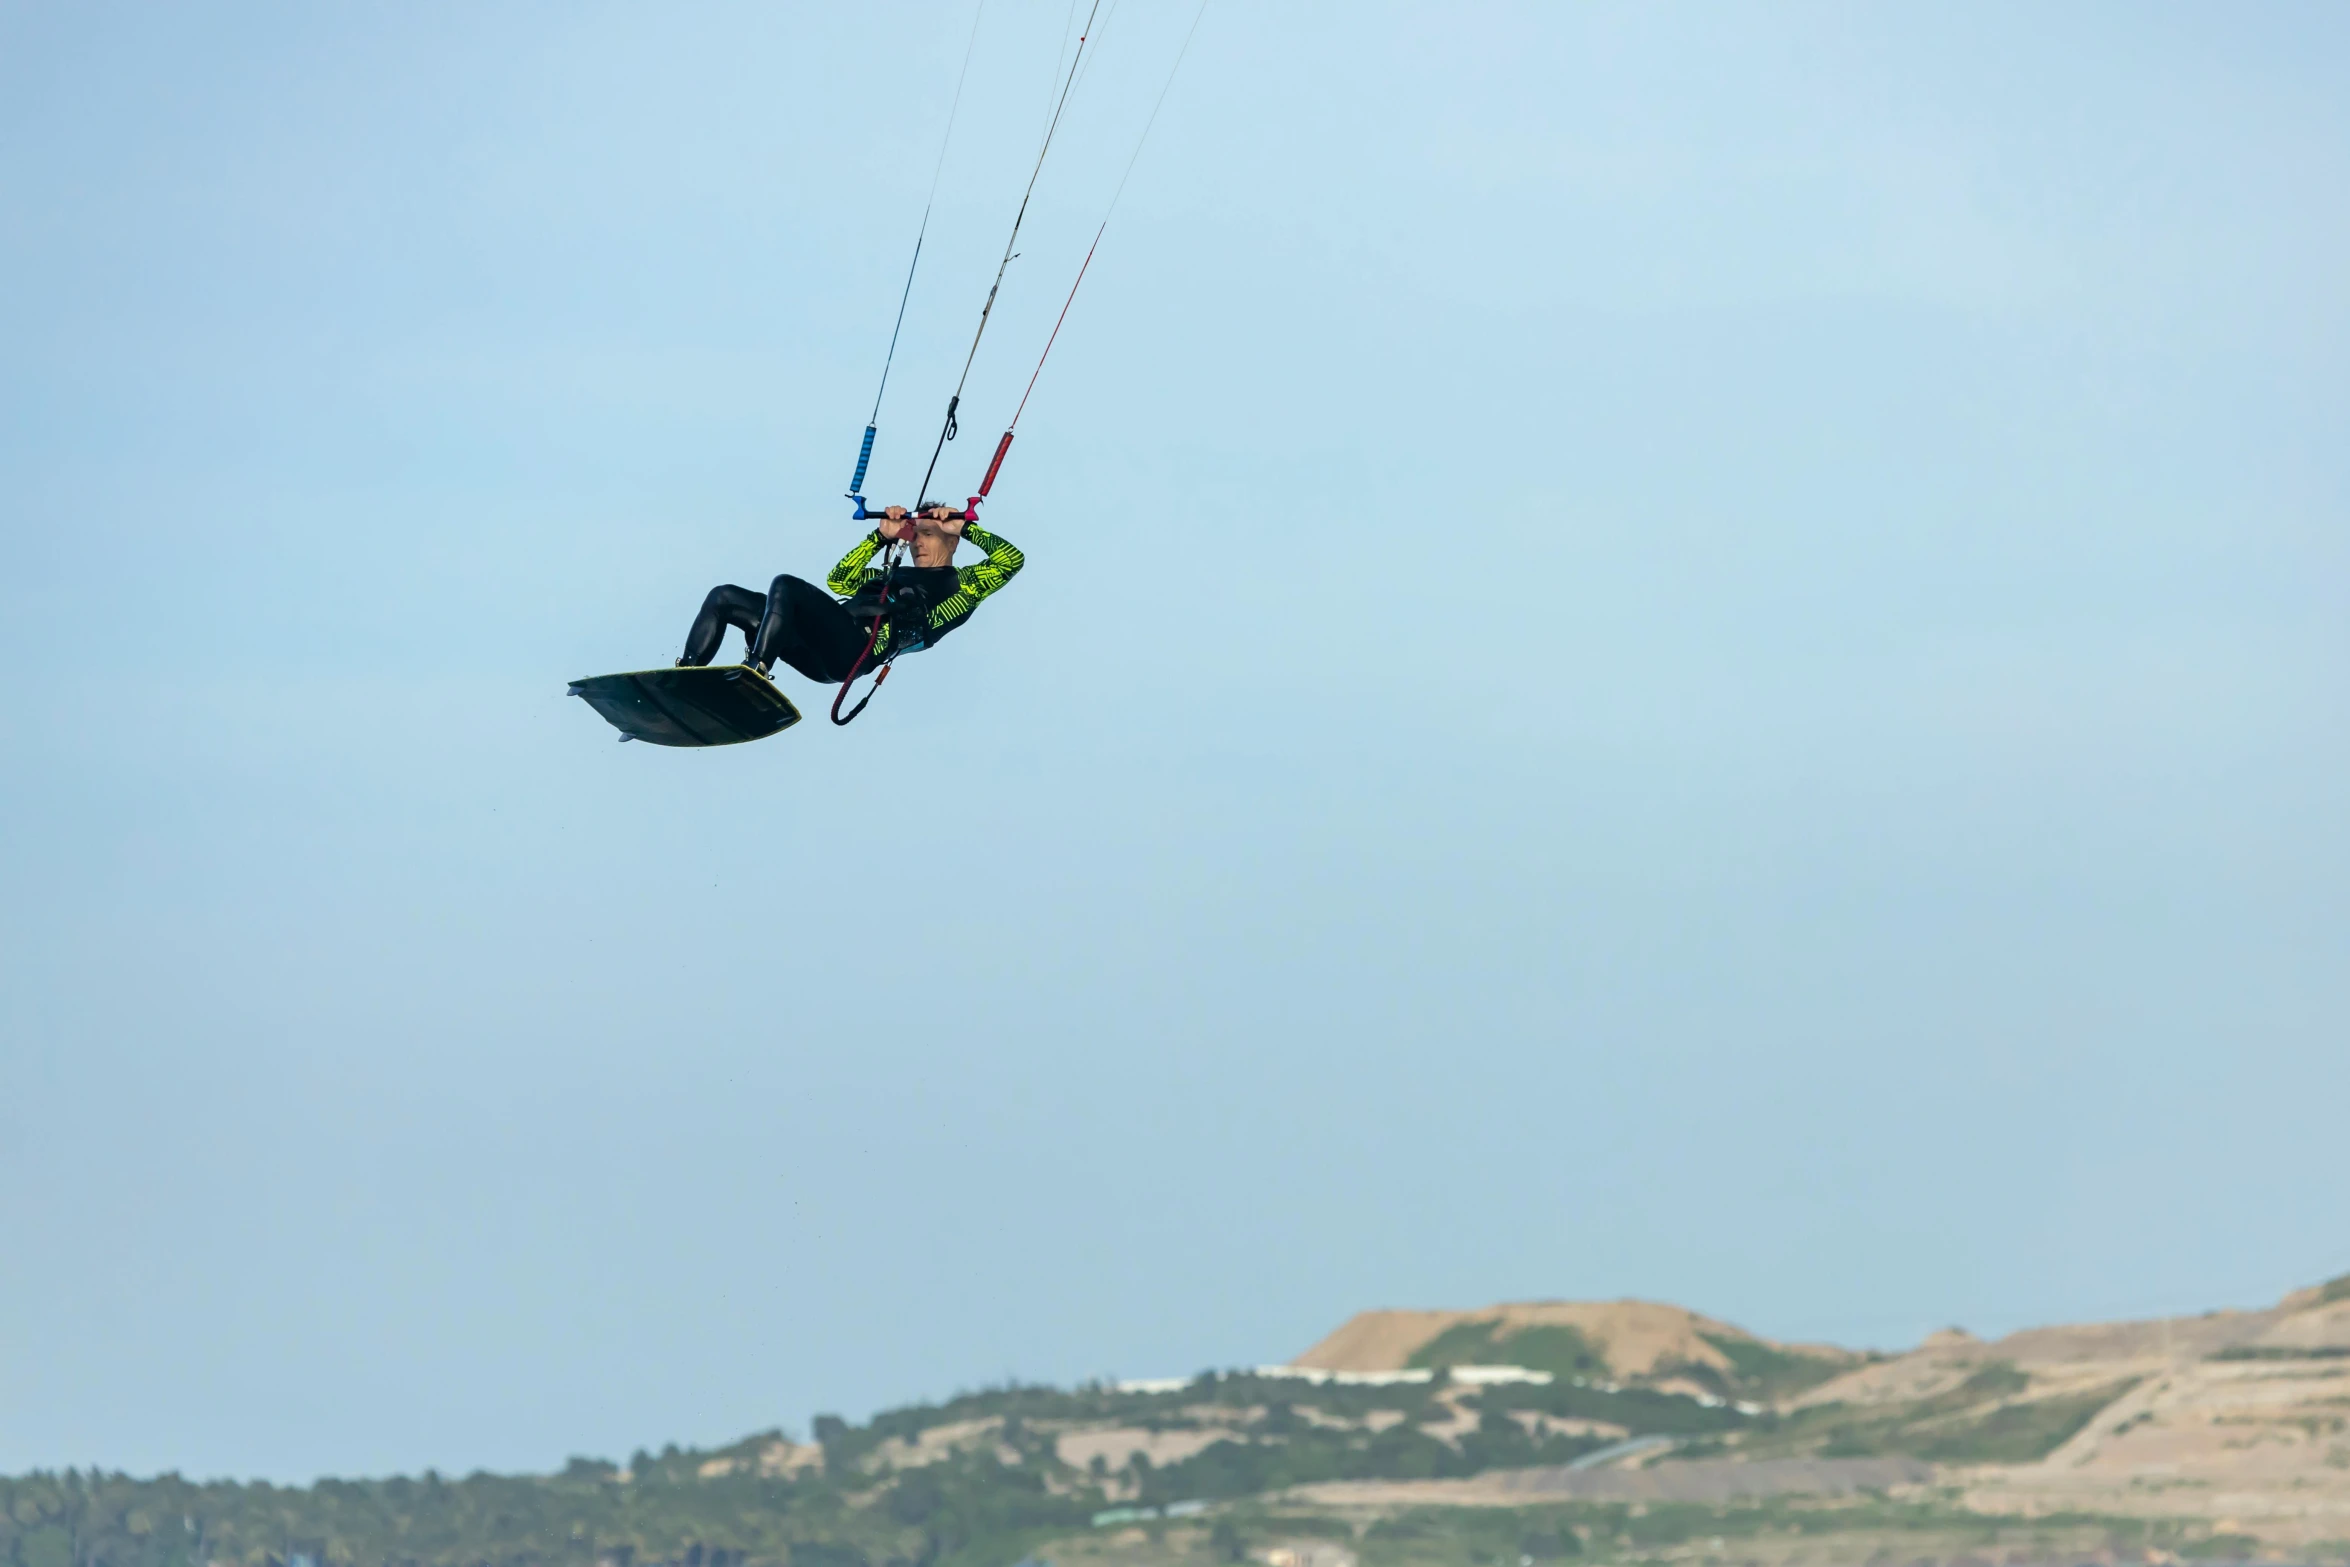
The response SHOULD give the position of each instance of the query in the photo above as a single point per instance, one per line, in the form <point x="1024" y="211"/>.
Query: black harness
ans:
<point x="901" y="601"/>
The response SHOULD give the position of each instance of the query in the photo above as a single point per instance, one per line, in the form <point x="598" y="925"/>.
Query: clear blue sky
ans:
<point x="1685" y="651"/>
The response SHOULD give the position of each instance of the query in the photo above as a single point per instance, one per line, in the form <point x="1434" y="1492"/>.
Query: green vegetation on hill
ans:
<point x="1252" y="1464"/>
<point x="1827" y="1532"/>
<point x="585" y="1517"/>
<point x="1614" y="1531"/>
<point x="1984" y="1420"/>
<point x="1640" y="1411"/>
<point x="1551" y="1347"/>
<point x="974" y="1481"/>
<point x="1765" y="1373"/>
<point x="1758" y="1372"/>
<point x="2017" y="1433"/>
<point x="980" y="1480"/>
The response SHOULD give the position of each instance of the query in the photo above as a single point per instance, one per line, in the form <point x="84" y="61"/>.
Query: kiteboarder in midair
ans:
<point x="824" y="635"/>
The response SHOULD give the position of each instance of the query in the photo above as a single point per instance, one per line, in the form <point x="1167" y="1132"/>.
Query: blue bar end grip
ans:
<point x="864" y="456"/>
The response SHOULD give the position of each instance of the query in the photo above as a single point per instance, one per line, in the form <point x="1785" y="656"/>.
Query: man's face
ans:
<point x="933" y="545"/>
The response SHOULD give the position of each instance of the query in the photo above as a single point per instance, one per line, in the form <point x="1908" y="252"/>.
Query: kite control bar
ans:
<point x="969" y="513"/>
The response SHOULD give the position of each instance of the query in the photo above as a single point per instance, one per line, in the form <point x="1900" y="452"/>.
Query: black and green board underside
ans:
<point x="722" y="704"/>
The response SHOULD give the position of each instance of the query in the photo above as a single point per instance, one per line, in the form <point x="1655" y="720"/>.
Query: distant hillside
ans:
<point x="2224" y="1436"/>
<point x="2156" y="1417"/>
<point x="1634" y="1341"/>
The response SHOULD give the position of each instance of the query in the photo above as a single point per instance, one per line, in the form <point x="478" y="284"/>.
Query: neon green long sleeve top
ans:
<point x="857" y="578"/>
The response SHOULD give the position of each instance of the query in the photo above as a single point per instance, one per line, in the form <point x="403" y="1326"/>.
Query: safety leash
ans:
<point x="889" y="570"/>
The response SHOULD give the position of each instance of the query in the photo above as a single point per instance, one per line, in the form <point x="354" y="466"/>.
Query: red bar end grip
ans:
<point x="1001" y="447"/>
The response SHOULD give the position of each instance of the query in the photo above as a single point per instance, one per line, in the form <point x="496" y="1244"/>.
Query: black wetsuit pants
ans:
<point x="795" y="621"/>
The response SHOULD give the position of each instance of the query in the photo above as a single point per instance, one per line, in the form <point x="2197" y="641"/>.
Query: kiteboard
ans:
<point x="715" y="704"/>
